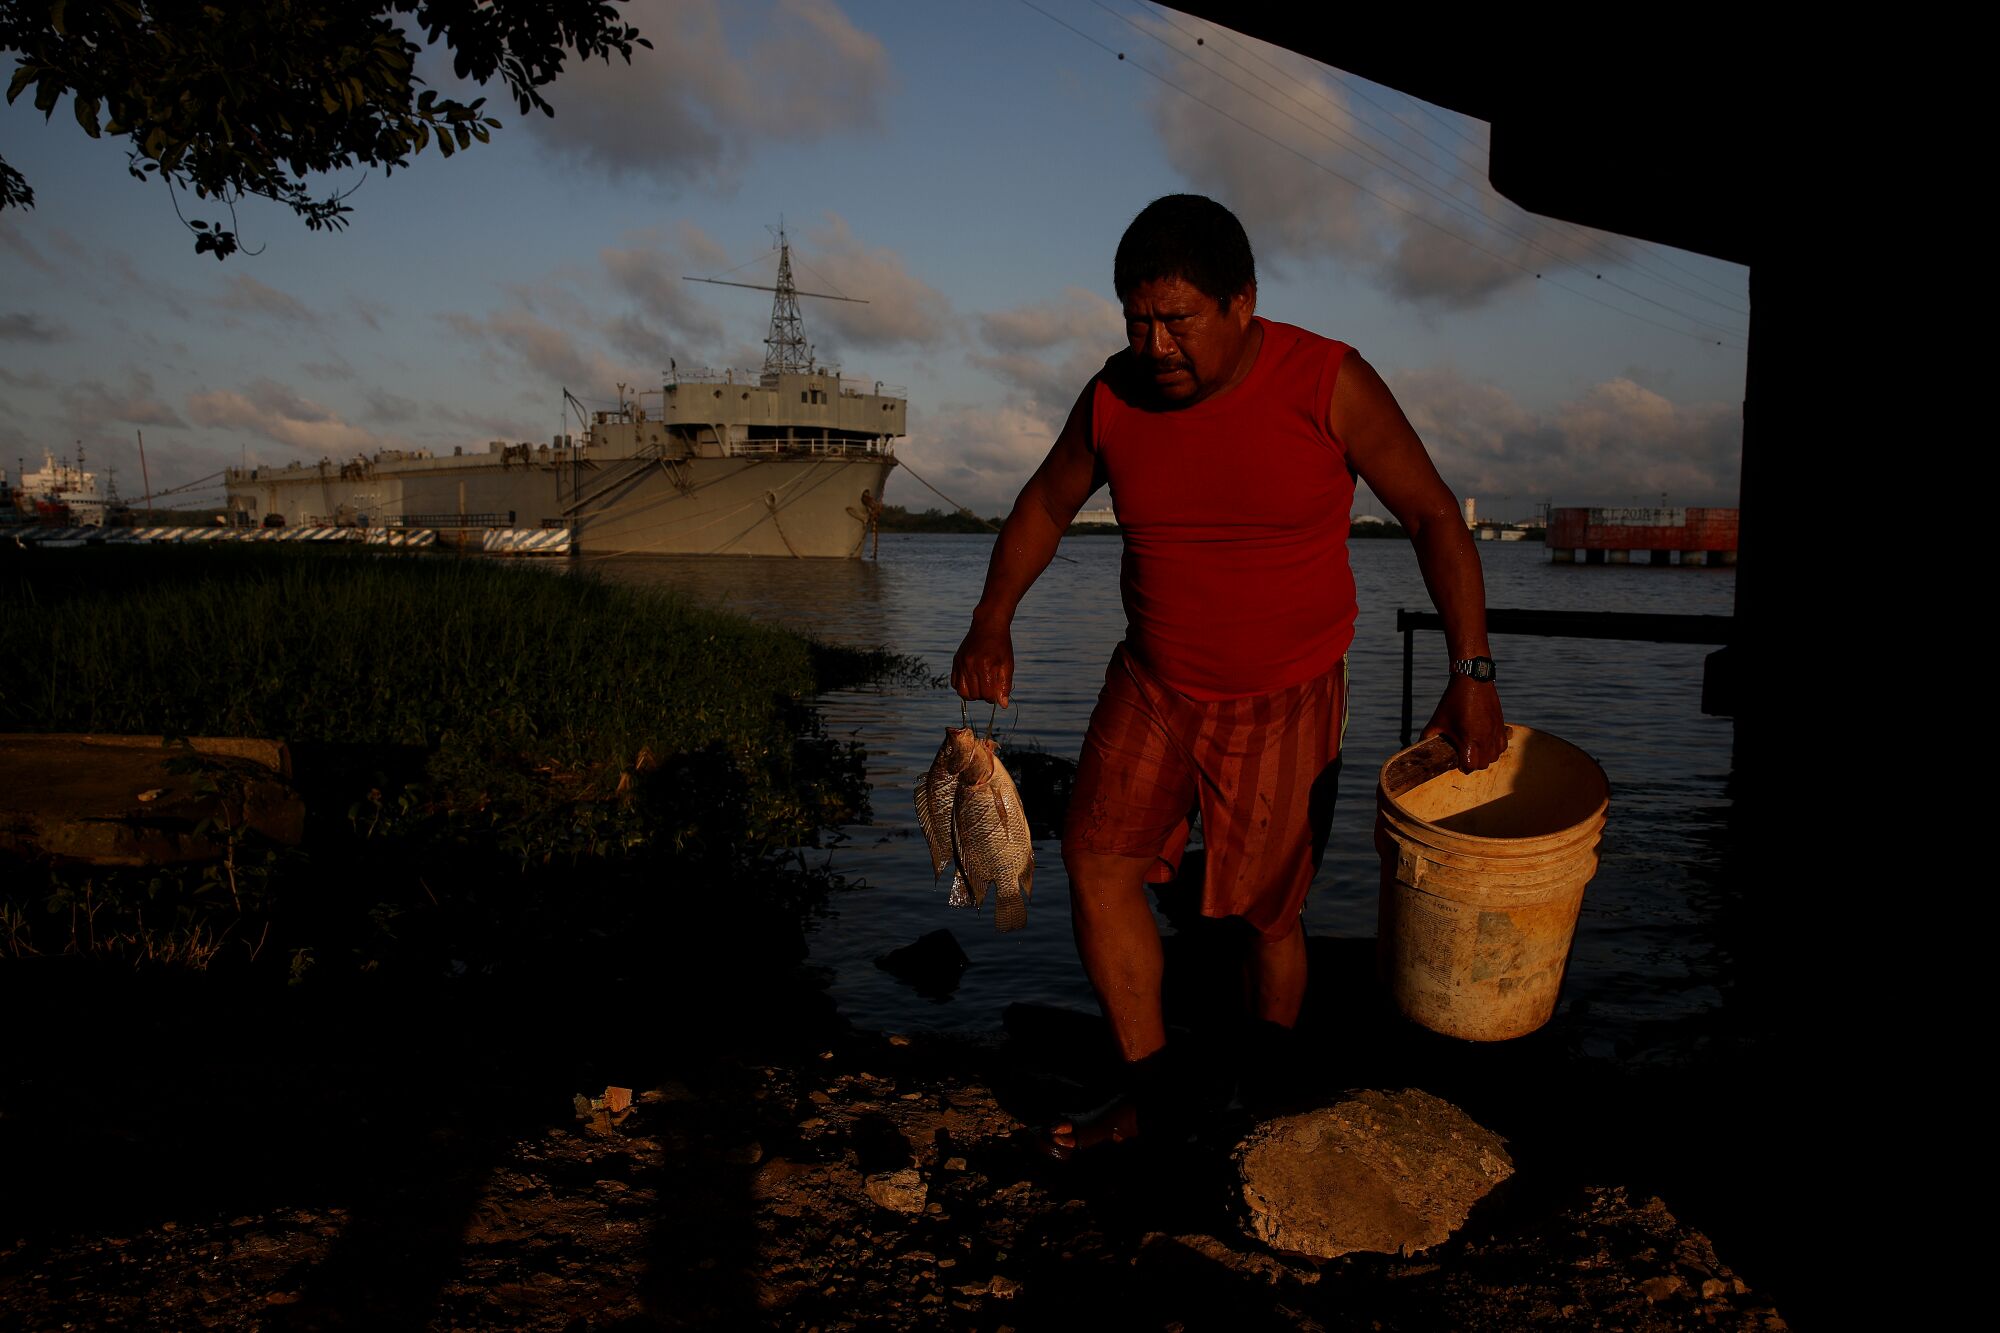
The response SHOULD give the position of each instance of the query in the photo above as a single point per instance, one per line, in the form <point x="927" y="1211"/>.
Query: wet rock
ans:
<point x="1174" y="1252"/>
<point x="1044" y="781"/>
<point x="1383" y="1172"/>
<point x="899" y="1191"/>
<point x="1658" y="1289"/>
<point x="932" y="963"/>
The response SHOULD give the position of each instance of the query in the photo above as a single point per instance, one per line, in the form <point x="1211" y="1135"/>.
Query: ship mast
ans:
<point x="786" y="349"/>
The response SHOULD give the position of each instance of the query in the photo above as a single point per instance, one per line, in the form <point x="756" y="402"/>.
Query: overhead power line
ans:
<point x="1416" y="216"/>
<point x="1384" y="162"/>
<point x="1467" y="173"/>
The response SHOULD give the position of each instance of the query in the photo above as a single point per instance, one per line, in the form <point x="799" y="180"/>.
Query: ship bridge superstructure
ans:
<point x="747" y="414"/>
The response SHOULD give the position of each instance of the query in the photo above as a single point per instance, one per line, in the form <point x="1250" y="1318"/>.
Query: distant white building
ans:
<point x="1105" y="517"/>
<point x="1366" y="518"/>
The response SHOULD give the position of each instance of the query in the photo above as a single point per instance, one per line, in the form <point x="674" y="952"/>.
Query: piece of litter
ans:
<point x="152" y="795"/>
<point x="617" y="1099"/>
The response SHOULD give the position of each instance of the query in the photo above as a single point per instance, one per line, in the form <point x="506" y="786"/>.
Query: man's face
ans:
<point x="1186" y="344"/>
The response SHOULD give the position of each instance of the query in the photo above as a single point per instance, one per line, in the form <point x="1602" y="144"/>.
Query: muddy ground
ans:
<point x="176" y="1162"/>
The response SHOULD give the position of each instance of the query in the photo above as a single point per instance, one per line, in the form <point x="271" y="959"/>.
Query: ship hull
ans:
<point x="804" y="506"/>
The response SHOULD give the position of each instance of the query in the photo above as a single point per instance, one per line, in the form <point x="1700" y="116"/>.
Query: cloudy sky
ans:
<point x="965" y="166"/>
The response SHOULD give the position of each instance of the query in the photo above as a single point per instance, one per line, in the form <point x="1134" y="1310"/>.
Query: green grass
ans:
<point x="304" y="645"/>
<point x="456" y="723"/>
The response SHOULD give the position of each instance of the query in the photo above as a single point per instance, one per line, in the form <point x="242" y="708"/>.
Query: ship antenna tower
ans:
<point x="786" y="349"/>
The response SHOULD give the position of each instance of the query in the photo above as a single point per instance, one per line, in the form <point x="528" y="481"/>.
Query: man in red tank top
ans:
<point x="1232" y="445"/>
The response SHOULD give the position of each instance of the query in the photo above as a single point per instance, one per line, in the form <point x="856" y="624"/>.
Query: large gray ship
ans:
<point x="787" y="461"/>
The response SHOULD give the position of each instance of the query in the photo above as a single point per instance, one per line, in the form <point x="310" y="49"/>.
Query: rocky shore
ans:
<point x="877" y="1182"/>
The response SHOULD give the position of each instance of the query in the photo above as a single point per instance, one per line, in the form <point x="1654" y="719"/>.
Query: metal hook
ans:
<point x="963" y="721"/>
<point x="989" y="721"/>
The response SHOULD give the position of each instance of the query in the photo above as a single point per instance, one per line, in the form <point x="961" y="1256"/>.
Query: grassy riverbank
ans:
<point x="489" y="753"/>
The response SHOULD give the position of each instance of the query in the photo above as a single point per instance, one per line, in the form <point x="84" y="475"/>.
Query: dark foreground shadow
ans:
<point x="374" y="1113"/>
<point x="1718" y="1135"/>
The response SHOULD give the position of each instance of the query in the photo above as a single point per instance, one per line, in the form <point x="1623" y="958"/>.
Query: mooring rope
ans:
<point x="959" y="507"/>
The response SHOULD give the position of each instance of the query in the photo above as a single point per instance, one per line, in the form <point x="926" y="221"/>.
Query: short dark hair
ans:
<point x="1185" y="236"/>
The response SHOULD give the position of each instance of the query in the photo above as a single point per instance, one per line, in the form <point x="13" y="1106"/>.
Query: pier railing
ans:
<point x="1633" y="626"/>
<point x="505" y="520"/>
<point x="794" y="448"/>
<point x="846" y="384"/>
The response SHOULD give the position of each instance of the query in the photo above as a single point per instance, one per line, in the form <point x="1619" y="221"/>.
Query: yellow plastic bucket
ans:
<point x="1482" y="878"/>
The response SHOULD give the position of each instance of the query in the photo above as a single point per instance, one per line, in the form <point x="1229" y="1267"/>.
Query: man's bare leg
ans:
<point x="1276" y="971"/>
<point x="1120" y="945"/>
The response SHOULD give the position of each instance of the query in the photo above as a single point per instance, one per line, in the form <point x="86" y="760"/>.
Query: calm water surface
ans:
<point x="1645" y="960"/>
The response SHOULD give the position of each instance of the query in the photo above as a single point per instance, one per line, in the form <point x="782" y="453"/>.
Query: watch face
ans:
<point x="1478" y="668"/>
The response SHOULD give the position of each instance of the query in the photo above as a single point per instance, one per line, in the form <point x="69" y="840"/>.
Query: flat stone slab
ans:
<point x="113" y="800"/>
<point x="1386" y="1172"/>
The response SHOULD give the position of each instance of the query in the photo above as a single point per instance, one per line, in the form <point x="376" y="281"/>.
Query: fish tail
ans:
<point x="1010" y="909"/>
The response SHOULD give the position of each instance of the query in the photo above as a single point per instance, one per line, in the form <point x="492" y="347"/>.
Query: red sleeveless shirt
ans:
<point x="1235" y="510"/>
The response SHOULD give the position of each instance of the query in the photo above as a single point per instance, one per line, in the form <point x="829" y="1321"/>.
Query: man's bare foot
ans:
<point x="1117" y="1121"/>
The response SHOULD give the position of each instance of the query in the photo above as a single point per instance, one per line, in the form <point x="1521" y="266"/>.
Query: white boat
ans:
<point x="62" y="492"/>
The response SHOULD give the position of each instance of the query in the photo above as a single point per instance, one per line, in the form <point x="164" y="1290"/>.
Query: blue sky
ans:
<point x="966" y="166"/>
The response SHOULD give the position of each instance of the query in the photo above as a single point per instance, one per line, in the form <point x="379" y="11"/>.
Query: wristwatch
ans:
<point x="1478" y="668"/>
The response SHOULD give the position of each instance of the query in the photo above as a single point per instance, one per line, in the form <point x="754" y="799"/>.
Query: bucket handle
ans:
<point x="1422" y="762"/>
<point x="1419" y="764"/>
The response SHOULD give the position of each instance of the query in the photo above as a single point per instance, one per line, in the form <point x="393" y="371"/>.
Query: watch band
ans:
<point x="1477" y="668"/>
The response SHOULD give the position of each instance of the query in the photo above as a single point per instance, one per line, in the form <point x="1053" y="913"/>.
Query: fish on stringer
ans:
<point x="972" y="819"/>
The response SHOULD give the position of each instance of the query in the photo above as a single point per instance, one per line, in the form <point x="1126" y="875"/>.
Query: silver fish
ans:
<point x="972" y="818"/>
<point x="936" y="790"/>
<point x="990" y="837"/>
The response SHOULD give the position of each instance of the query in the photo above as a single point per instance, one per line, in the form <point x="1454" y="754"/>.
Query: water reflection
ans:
<point x="840" y="600"/>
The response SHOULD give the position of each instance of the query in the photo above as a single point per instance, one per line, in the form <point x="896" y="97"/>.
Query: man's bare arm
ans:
<point x="984" y="665"/>
<point x="1385" y="452"/>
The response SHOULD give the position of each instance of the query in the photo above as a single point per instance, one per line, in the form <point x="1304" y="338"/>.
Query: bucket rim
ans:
<point x="1391" y="804"/>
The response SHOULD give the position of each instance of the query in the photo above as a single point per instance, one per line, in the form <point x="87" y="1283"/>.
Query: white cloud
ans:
<point x="243" y="292"/>
<point x="28" y="327"/>
<point x="650" y="272"/>
<point x="1617" y="443"/>
<point x="538" y="354"/>
<point x="390" y="408"/>
<point x="1315" y="173"/>
<point x="979" y="456"/>
<point x="902" y="311"/>
<point x="91" y="405"/>
<point x="271" y="411"/>
<point x="12" y="239"/>
<point x="1049" y="350"/>
<point x="695" y="105"/>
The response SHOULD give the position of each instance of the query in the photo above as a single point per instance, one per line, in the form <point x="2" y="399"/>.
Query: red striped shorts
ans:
<point x="1261" y="770"/>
